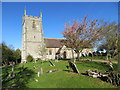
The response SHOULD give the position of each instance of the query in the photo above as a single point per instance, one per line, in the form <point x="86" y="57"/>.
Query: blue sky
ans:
<point x="55" y="15"/>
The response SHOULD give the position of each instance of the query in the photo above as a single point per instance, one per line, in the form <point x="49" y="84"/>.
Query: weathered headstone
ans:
<point x="41" y="70"/>
<point x="73" y="67"/>
<point x="36" y="80"/>
<point x="51" y="64"/>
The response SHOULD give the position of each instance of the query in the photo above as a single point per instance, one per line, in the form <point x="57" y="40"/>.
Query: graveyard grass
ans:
<point x="60" y="79"/>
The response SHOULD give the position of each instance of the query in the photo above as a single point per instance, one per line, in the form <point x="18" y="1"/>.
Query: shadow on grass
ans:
<point x="17" y="79"/>
<point x="67" y="70"/>
<point x="66" y="59"/>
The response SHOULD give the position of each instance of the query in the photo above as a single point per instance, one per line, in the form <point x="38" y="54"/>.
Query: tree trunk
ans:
<point x="16" y="61"/>
<point x="107" y="56"/>
<point x="78" y="56"/>
<point x="73" y="56"/>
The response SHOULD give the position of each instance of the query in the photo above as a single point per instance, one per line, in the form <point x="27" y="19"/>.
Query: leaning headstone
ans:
<point x="36" y="80"/>
<point x="51" y="64"/>
<point x="40" y="71"/>
<point x="73" y="66"/>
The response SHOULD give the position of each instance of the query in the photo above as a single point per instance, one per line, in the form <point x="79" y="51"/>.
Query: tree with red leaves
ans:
<point x="82" y="34"/>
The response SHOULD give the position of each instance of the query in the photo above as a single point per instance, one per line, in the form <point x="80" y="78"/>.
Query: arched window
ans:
<point x="50" y="52"/>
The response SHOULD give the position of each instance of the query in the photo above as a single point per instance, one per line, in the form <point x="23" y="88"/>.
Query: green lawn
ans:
<point x="60" y="79"/>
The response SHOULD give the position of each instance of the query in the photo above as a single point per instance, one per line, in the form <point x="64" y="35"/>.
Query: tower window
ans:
<point x="33" y="25"/>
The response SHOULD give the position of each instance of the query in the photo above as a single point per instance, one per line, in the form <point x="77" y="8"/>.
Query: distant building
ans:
<point x="33" y="42"/>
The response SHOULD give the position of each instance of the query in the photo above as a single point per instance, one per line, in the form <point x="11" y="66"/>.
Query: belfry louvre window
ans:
<point x="33" y="26"/>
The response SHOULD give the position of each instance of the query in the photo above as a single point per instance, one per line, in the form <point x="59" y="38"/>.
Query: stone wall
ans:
<point x="68" y="51"/>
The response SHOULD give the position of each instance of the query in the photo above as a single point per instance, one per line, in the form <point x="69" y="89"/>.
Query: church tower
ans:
<point x="32" y="36"/>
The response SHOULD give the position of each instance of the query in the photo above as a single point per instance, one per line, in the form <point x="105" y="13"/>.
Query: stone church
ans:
<point x="34" y="44"/>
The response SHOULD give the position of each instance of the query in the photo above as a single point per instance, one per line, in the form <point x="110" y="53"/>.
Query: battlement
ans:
<point x="30" y="16"/>
<point x="35" y="17"/>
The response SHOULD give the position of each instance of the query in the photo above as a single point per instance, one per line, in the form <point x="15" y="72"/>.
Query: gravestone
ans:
<point x="51" y="64"/>
<point x="36" y="80"/>
<point x="73" y="67"/>
<point x="38" y="74"/>
<point x="41" y="70"/>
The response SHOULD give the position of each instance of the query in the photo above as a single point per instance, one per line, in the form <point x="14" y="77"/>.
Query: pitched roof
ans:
<point x="52" y="43"/>
<point x="57" y="43"/>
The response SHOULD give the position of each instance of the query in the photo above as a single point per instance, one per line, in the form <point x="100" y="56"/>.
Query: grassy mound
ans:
<point x="26" y="76"/>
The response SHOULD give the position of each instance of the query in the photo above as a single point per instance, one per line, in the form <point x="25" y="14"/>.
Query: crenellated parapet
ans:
<point x="32" y="17"/>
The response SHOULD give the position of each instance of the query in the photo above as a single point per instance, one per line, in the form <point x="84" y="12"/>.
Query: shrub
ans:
<point x="29" y="58"/>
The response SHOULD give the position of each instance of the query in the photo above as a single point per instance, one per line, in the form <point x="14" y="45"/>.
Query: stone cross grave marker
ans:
<point x="73" y="67"/>
<point x="51" y="63"/>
